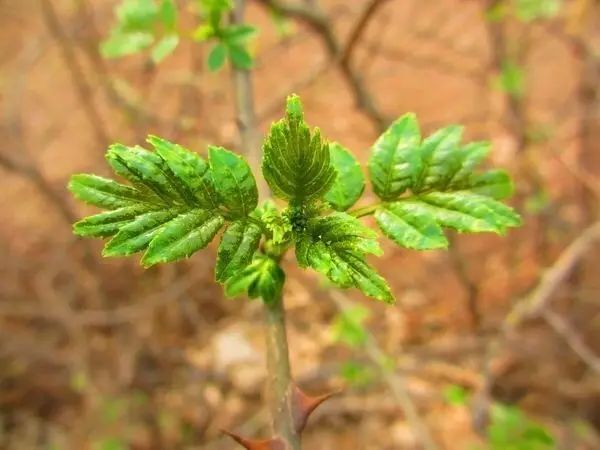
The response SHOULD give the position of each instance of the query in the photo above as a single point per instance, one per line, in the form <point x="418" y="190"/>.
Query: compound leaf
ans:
<point x="296" y="162"/>
<point x="233" y="181"/>
<point x="238" y="244"/>
<point x="171" y="210"/>
<point x="261" y="278"/>
<point x="395" y="162"/>
<point x="350" y="181"/>
<point x="410" y="226"/>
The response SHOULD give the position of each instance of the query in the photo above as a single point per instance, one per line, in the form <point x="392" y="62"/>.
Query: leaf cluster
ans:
<point x="143" y="24"/>
<point x="152" y="24"/>
<point x="231" y="41"/>
<point x="177" y="202"/>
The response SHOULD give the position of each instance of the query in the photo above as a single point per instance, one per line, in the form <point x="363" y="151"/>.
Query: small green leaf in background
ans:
<point x="111" y="444"/>
<point x="510" y="428"/>
<point x="529" y="10"/>
<point x="511" y="79"/>
<point x="350" y="181"/>
<point x="262" y="278"/>
<point x="216" y="57"/>
<point x="349" y="326"/>
<point x="122" y="44"/>
<point x="238" y="34"/>
<point x="168" y="14"/>
<point x="456" y="395"/>
<point x="135" y="15"/>
<point x="240" y="56"/>
<point x="357" y="374"/>
<point x="164" y="47"/>
<point x="296" y="161"/>
<point x="395" y="160"/>
<point x="234" y="182"/>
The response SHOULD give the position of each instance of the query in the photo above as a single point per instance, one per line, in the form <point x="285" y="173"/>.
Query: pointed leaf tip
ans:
<point x="294" y="107"/>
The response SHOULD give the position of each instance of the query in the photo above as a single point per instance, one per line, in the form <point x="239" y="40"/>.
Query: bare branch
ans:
<point x="573" y="339"/>
<point x="83" y="88"/>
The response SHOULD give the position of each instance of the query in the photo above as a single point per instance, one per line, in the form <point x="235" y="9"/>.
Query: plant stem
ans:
<point x="280" y="387"/>
<point x="279" y="375"/>
<point x="244" y="99"/>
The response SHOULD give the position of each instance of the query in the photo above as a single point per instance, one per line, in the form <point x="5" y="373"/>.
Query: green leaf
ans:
<point x="171" y="211"/>
<point x="529" y="10"/>
<point x="279" y="228"/>
<point x="190" y="169"/>
<point x="216" y="57"/>
<point x="136" y="15"/>
<point x="456" y="395"/>
<point x="165" y="47"/>
<point x="183" y="236"/>
<point x="511" y="79"/>
<point x="109" y="223"/>
<point x="296" y="162"/>
<point x="395" y="162"/>
<point x="335" y="246"/>
<point x="350" y="181"/>
<point x="349" y="326"/>
<point x="135" y="236"/>
<point x="168" y="14"/>
<point x="238" y="34"/>
<point x="234" y="182"/>
<point x="262" y="278"/>
<point x="105" y="193"/>
<point x="240" y="57"/>
<point x="410" y="226"/>
<point x="122" y="44"/>
<point x="146" y="170"/>
<point x="238" y="244"/>
<point x="440" y="159"/>
<point x="494" y="183"/>
<point x="468" y="212"/>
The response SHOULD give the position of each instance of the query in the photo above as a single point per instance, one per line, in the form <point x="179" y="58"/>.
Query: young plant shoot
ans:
<point x="176" y="202"/>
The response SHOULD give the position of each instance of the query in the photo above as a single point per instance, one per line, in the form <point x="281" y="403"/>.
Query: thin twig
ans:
<point x="532" y="305"/>
<point x="359" y="29"/>
<point x="393" y="379"/>
<point x="82" y="87"/>
<point x="573" y="339"/>
<point x="316" y="19"/>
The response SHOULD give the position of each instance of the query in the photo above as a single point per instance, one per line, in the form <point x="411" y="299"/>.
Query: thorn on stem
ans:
<point x="303" y="405"/>
<point x="251" y="444"/>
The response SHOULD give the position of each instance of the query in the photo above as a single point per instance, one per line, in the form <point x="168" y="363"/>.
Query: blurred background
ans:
<point x="492" y="345"/>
